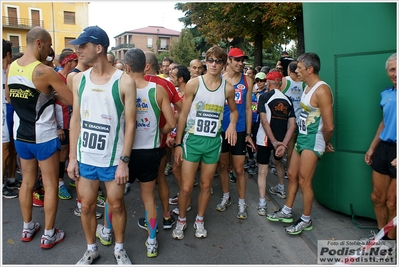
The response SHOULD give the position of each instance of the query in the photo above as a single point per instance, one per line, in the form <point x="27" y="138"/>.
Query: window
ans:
<point x="149" y="42"/>
<point x="67" y="44"/>
<point x="15" y="44"/>
<point x="12" y="16"/>
<point x="163" y="43"/>
<point x="69" y="17"/>
<point x="35" y="14"/>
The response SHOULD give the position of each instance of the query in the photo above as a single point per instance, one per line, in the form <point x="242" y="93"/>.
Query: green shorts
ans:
<point x="201" y="148"/>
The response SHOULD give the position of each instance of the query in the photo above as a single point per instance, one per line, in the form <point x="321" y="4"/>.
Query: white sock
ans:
<point x="241" y="201"/>
<point x="106" y="230"/>
<point x="199" y="218"/>
<point x="280" y="187"/>
<point x="262" y="202"/>
<point x="92" y="247"/>
<point x="49" y="232"/>
<point x="118" y="246"/>
<point x="286" y="209"/>
<point x="29" y="225"/>
<point x="151" y="240"/>
<point x="60" y="183"/>
<point x="304" y="218"/>
<point x="79" y="204"/>
<point x="226" y="195"/>
<point x="182" y="219"/>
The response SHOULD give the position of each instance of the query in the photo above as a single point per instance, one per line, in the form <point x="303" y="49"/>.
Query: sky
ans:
<point x="116" y="17"/>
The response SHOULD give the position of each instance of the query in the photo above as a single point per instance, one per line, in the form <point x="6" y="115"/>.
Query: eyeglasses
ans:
<point x="217" y="61"/>
<point x="238" y="59"/>
<point x="259" y="80"/>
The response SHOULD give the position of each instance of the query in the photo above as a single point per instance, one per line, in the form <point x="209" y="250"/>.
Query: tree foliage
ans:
<point x="264" y="25"/>
<point x="184" y="50"/>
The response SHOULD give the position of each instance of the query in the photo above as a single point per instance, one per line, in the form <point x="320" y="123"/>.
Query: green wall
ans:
<point x="353" y="41"/>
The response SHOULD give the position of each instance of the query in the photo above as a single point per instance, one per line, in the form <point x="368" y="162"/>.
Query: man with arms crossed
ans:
<point x="101" y="137"/>
<point x="198" y="137"/>
<point x="315" y="130"/>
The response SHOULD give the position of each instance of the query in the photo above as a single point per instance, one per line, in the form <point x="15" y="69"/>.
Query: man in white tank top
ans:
<point x="316" y="127"/>
<point x="101" y="137"/>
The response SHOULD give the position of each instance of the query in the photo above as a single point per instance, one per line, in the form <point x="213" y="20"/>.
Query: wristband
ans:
<point x="176" y="145"/>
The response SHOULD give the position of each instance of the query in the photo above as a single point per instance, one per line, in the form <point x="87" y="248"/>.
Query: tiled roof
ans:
<point x="156" y="30"/>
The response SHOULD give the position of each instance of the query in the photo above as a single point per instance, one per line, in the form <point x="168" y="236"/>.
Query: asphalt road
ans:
<point x="230" y="240"/>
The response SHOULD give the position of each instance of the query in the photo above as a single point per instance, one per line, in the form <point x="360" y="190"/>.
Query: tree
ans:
<point x="183" y="50"/>
<point x="264" y="24"/>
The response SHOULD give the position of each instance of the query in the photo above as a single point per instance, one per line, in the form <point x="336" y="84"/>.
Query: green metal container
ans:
<point x="353" y="40"/>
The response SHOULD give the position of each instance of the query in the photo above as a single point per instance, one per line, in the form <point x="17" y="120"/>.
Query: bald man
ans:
<point x="195" y="68"/>
<point x="30" y="87"/>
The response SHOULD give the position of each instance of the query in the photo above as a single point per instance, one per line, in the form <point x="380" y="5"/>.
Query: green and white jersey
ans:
<point x="310" y="123"/>
<point x="147" y="134"/>
<point x="102" y="115"/>
<point x="294" y="91"/>
<point x="206" y="112"/>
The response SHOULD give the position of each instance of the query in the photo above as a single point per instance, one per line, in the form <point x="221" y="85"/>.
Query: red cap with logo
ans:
<point x="274" y="75"/>
<point x="236" y="52"/>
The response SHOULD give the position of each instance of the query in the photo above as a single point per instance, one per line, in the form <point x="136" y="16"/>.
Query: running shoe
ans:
<point x="250" y="164"/>
<point x="233" y="179"/>
<point x="195" y="181"/>
<point x="63" y="192"/>
<point x="152" y="249"/>
<point x="298" y="227"/>
<point x="242" y="211"/>
<point x="200" y="230"/>
<point x="105" y="239"/>
<point x="78" y="212"/>
<point x="262" y="209"/>
<point x="127" y="188"/>
<point x="88" y="257"/>
<point x="37" y="202"/>
<point x="280" y="216"/>
<point x="223" y="204"/>
<point x="72" y="183"/>
<point x="168" y="168"/>
<point x="274" y="171"/>
<point x="168" y="222"/>
<point x="177" y="212"/>
<point x="51" y="241"/>
<point x="279" y="193"/>
<point x="178" y="232"/>
<point x="253" y="170"/>
<point x="8" y="193"/>
<point x="14" y="185"/>
<point x="122" y="258"/>
<point x="100" y="200"/>
<point x="27" y="234"/>
<point x="142" y="223"/>
<point x="174" y="200"/>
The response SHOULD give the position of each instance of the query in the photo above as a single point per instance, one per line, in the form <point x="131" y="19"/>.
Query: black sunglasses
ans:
<point x="238" y="59"/>
<point x="217" y="61"/>
<point x="259" y="80"/>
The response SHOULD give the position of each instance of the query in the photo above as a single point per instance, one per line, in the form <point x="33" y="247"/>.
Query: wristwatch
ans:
<point x="125" y="159"/>
<point x="249" y="134"/>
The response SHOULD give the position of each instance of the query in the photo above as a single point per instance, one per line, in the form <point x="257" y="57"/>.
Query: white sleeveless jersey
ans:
<point x="294" y="91"/>
<point x="102" y="115"/>
<point x="206" y="112"/>
<point x="147" y="134"/>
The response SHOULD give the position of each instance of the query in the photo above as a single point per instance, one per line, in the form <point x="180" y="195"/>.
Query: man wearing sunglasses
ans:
<point x="243" y="97"/>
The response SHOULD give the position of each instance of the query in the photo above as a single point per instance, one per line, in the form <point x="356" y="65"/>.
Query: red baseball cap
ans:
<point x="274" y="75"/>
<point x="236" y="52"/>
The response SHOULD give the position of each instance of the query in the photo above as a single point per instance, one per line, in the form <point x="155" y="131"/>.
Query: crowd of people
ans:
<point x="113" y="122"/>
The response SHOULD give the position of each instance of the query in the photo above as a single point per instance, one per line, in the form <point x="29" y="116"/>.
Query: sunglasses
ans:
<point x="280" y="68"/>
<point x="259" y="80"/>
<point x="217" y="61"/>
<point x="238" y="59"/>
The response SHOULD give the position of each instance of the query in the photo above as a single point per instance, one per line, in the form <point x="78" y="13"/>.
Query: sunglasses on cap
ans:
<point x="217" y="61"/>
<point x="259" y="80"/>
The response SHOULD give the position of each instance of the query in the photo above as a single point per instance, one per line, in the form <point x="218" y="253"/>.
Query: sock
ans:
<point x="166" y="215"/>
<point x="49" y="232"/>
<point x="60" y="184"/>
<point x="106" y="230"/>
<point x="280" y="187"/>
<point x="262" y="202"/>
<point x="118" y="246"/>
<point x="11" y="180"/>
<point x="61" y="170"/>
<point x="152" y="225"/>
<point x="108" y="217"/>
<point x="92" y="247"/>
<point x="304" y="218"/>
<point x="199" y="218"/>
<point x="241" y="201"/>
<point x="226" y="195"/>
<point x="286" y="210"/>
<point x="79" y="204"/>
<point x="151" y="240"/>
<point x="182" y="219"/>
<point x="29" y="225"/>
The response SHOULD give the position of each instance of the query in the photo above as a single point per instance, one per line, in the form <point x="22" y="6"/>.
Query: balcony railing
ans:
<point x="124" y="46"/>
<point x="21" y="23"/>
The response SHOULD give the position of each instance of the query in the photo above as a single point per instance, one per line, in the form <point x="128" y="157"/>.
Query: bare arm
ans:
<point x="64" y="94"/>
<point x="167" y="110"/>
<point x="231" y="131"/>
<point x="7" y="90"/>
<point x="324" y="102"/>
<point x="248" y="114"/>
<point x="268" y="130"/>
<point x="74" y="130"/>
<point x="374" y="143"/>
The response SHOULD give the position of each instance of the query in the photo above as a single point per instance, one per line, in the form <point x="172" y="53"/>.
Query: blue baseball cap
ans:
<point x="92" y="34"/>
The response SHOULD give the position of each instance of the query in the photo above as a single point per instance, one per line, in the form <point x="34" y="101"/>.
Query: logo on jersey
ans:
<point x="106" y="117"/>
<point x="141" y="104"/>
<point x="96" y="126"/>
<point x="143" y="124"/>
